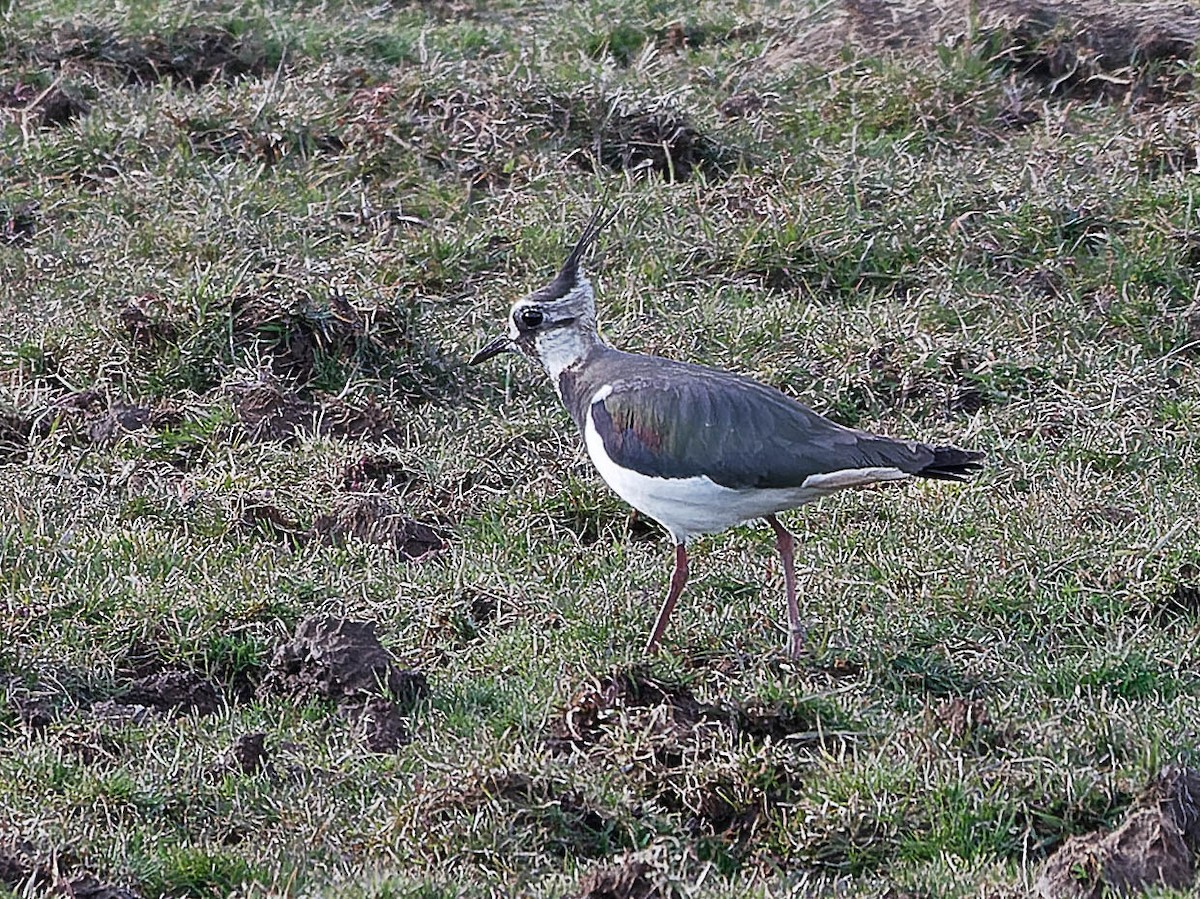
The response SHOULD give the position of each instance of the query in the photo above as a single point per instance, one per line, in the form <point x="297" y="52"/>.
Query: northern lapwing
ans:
<point x="695" y="448"/>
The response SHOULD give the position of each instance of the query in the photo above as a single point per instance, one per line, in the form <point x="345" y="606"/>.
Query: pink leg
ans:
<point x="678" y="580"/>
<point x="785" y="543"/>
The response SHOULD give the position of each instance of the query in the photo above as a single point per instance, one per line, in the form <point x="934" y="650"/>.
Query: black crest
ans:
<point x="568" y="276"/>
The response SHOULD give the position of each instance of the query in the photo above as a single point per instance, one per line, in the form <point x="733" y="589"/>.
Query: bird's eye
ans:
<point x="531" y="317"/>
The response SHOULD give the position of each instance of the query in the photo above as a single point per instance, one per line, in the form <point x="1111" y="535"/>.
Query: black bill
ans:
<point x="495" y="348"/>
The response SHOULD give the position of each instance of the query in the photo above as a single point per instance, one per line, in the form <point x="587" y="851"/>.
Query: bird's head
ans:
<point x="539" y="324"/>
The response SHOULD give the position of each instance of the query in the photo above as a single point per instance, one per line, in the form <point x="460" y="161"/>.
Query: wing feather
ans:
<point x="739" y="433"/>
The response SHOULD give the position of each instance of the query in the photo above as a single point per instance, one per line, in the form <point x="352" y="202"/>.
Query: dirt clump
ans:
<point x="1155" y="846"/>
<point x="53" y="106"/>
<point x="120" y="418"/>
<point x="174" y="692"/>
<point x="1085" y="49"/>
<point x="300" y="336"/>
<point x="654" y="138"/>
<point x="1078" y="49"/>
<point x="258" y="514"/>
<point x="23" y="872"/>
<point x="1182" y="599"/>
<point x="193" y="55"/>
<point x="19" y="223"/>
<point x="742" y="104"/>
<point x="381" y="723"/>
<point x="249" y="754"/>
<point x="15" y="432"/>
<point x="671" y="713"/>
<point x="477" y="133"/>
<point x="960" y="717"/>
<point x="81" y="418"/>
<point x="262" y="143"/>
<point x="565" y="820"/>
<point x="339" y="659"/>
<point x="268" y="412"/>
<point x="372" y="519"/>
<point x="717" y="807"/>
<point x="145" y="322"/>
<point x="374" y="472"/>
<point x="359" y="516"/>
<point x="35" y="712"/>
<point x="630" y="878"/>
<point x="343" y="661"/>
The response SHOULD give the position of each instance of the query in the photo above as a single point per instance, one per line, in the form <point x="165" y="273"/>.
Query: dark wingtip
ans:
<point x="952" y="464"/>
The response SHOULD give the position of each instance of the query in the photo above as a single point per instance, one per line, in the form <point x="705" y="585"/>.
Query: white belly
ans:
<point x="697" y="505"/>
<point x="688" y="507"/>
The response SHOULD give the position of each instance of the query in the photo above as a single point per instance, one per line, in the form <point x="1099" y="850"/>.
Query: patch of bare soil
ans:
<point x="146" y="322"/>
<point x="15" y="431"/>
<point x="172" y="692"/>
<point x="630" y="878"/>
<point x="298" y="337"/>
<point x="360" y="516"/>
<point x="50" y="107"/>
<point x="1086" y="48"/>
<point x="630" y="700"/>
<point x="84" y="417"/>
<point x="658" y="139"/>
<point x="35" y="712"/>
<point x="249" y="754"/>
<point x="121" y="417"/>
<point x="267" y="411"/>
<point x="961" y="718"/>
<point x="193" y="56"/>
<point x="374" y="472"/>
<point x="372" y="519"/>
<point x="343" y="661"/>
<point x="742" y="104"/>
<point x="23" y="871"/>
<point x="256" y="514"/>
<point x="266" y="143"/>
<point x="660" y="734"/>
<point x="1155" y="846"/>
<point x="1182" y="599"/>
<point x="19" y="223"/>
<point x="478" y="133"/>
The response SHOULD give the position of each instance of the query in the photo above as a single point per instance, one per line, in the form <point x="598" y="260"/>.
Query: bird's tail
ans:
<point x="951" y="464"/>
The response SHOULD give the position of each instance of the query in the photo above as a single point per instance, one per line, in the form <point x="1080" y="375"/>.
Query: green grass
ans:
<point x="344" y="200"/>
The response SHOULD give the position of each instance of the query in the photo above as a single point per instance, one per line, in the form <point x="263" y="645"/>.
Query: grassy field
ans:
<point x="245" y="251"/>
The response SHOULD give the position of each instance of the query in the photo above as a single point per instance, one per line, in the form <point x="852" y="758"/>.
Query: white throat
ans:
<point x="560" y="348"/>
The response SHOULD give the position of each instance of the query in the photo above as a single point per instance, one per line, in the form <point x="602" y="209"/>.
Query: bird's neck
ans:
<point x="560" y="349"/>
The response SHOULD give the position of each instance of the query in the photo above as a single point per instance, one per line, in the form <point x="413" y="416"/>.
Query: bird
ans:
<point x="699" y="449"/>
